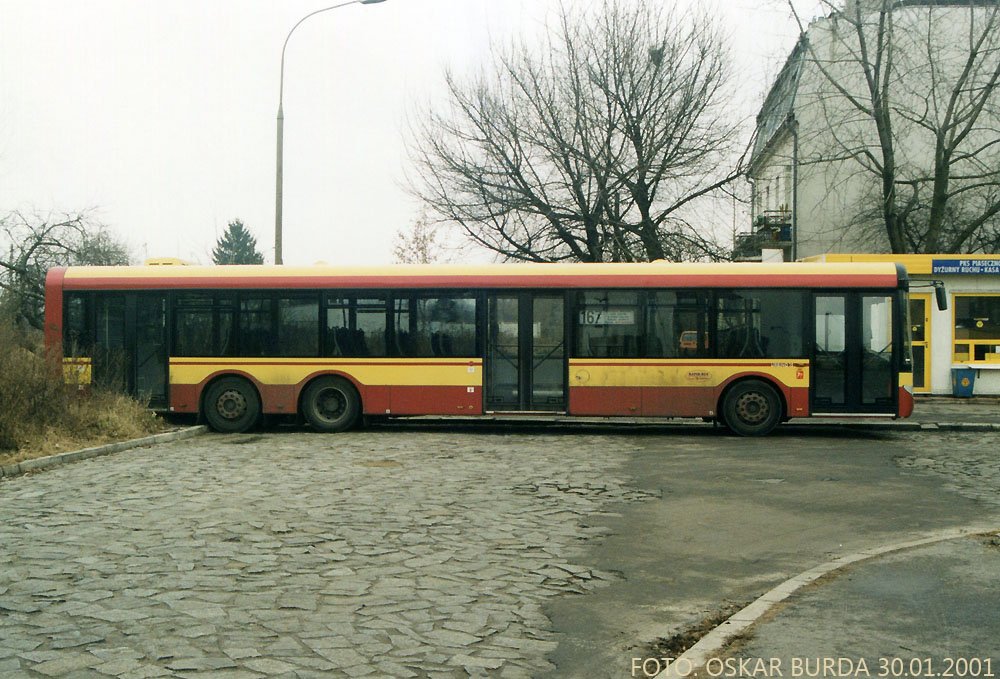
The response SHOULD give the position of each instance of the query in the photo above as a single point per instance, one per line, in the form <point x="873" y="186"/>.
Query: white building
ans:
<point x="816" y="198"/>
<point x="814" y="187"/>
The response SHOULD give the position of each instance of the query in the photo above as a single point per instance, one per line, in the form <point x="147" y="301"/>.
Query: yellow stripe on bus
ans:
<point x="680" y="373"/>
<point x="367" y="371"/>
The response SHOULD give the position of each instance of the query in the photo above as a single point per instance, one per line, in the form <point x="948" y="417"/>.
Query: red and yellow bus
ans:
<point x="749" y="345"/>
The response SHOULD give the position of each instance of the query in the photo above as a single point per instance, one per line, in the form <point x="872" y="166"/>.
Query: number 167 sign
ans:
<point x="607" y="317"/>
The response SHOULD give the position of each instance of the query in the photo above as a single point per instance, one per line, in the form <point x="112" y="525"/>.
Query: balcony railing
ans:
<point x="774" y="218"/>
<point x="771" y="229"/>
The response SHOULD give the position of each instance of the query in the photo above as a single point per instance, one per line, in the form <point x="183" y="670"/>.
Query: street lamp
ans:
<point x="281" y="122"/>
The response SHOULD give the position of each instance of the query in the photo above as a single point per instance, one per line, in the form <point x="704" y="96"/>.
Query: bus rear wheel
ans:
<point x="331" y="404"/>
<point x="751" y="408"/>
<point x="231" y="405"/>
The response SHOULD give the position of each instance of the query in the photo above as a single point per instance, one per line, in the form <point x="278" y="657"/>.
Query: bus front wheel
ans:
<point x="331" y="404"/>
<point x="751" y="408"/>
<point x="231" y="405"/>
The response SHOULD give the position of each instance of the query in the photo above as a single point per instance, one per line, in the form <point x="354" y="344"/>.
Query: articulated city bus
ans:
<point x="748" y="345"/>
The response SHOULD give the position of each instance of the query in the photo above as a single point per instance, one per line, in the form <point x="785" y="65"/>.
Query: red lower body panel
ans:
<point x="605" y="401"/>
<point x="376" y="400"/>
<point x="643" y="401"/>
<point x="425" y="400"/>
<point x="667" y="401"/>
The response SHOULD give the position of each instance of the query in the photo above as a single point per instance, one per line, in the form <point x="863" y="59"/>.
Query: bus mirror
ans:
<point x="939" y="294"/>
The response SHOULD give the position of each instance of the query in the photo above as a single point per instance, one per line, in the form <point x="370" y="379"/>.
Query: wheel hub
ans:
<point x="331" y="404"/>
<point x="752" y="408"/>
<point x="231" y="404"/>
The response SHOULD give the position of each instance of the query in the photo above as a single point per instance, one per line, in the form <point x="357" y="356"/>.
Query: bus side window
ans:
<point x="298" y="326"/>
<point x="256" y="335"/>
<point x="760" y="324"/>
<point x="203" y="325"/>
<point x="356" y="326"/>
<point x="608" y="324"/>
<point x="76" y="333"/>
<point x="675" y="320"/>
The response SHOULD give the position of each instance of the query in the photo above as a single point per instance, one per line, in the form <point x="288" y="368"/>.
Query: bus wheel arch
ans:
<point x="752" y="406"/>
<point x="231" y="403"/>
<point x="330" y="403"/>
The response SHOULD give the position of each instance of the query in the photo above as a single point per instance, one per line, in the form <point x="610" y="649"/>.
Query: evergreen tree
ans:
<point x="237" y="246"/>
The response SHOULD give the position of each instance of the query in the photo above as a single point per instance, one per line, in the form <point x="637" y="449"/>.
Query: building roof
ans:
<point x="779" y="107"/>
<point x="915" y="264"/>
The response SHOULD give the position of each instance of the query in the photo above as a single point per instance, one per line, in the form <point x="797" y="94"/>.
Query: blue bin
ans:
<point x="962" y="382"/>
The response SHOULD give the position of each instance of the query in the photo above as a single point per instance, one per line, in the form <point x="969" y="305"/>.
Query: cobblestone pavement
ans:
<point x="383" y="554"/>
<point x="967" y="466"/>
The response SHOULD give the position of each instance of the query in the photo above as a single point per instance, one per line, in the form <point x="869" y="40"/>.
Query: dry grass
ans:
<point x="41" y="415"/>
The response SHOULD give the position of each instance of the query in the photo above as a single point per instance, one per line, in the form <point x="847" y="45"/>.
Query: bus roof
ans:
<point x="641" y="275"/>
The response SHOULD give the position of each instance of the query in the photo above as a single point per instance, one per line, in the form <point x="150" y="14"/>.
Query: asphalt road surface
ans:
<point x="430" y="551"/>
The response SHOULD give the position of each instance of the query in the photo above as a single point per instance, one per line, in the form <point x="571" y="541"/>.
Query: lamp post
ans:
<point x="281" y="123"/>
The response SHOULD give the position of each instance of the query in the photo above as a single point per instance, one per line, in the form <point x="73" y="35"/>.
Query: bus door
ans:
<point x="525" y="352"/>
<point x="852" y="364"/>
<point x="131" y="343"/>
<point x="112" y="360"/>
<point x="150" y="342"/>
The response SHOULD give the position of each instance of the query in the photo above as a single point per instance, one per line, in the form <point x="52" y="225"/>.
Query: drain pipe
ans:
<point x="793" y="125"/>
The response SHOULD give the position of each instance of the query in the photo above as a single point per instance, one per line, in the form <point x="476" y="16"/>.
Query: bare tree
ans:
<point x="908" y="90"/>
<point x="594" y="146"/>
<point x="423" y="243"/>
<point x="35" y="245"/>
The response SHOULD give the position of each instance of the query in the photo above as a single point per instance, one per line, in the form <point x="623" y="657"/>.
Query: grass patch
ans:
<point x="41" y="415"/>
<point x="673" y="646"/>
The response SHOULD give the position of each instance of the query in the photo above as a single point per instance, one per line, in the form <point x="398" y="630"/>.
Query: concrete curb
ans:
<point x="898" y="424"/>
<point x="695" y="658"/>
<point x="18" y="468"/>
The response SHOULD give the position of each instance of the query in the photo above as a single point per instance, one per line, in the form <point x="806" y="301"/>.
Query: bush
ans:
<point x="41" y="414"/>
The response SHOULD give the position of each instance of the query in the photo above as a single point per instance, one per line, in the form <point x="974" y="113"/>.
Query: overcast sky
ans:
<point x="161" y="116"/>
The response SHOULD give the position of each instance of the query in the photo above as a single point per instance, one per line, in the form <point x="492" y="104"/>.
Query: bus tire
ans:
<point x="331" y="404"/>
<point x="231" y="405"/>
<point x="751" y="408"/>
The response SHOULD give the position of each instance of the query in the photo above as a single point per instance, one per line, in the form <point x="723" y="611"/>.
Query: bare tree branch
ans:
<point x="915" y="105"/>
<point x="35" y="244"/>
<point x="592" y="147"/>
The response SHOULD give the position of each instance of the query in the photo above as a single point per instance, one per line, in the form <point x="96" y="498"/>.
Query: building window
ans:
<point x="977" y="329"/>
<point x="787" y="195"/>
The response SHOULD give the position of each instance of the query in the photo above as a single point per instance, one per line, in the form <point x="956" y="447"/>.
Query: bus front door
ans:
<point x="131" y="343"/>
<point x="525" y="353"/>
<point x="852" y="363"/>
